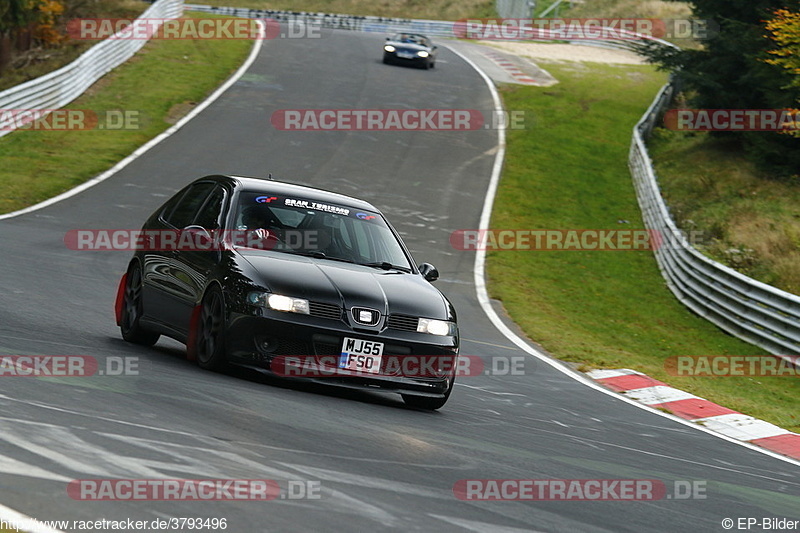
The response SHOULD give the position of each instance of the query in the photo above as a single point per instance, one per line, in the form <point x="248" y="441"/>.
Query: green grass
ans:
<point x="161" y="82"/>
<point x="603" y="309"/>
<point x="667" y="9"/>
<point x="419" y="9"/>
<point x="743" y="219"/>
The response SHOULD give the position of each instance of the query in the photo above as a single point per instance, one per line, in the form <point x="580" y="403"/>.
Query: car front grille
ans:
<point x="323" y="310"/>
<point x="327" y="349"/>
<point x="403" y="322"/>
<point x="291" y="347"/>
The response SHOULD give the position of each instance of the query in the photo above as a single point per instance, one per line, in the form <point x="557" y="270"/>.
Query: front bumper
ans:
<point x="308" y="348"/>
<point x="394" y="58"/>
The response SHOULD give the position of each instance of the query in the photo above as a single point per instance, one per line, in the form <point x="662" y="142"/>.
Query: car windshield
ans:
<point x="410" y="38"/>
<point x="323" y="230"/>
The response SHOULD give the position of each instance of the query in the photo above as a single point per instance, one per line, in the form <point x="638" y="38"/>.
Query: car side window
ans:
<point x="209" y="215"/>
<point x="184" y="212"/>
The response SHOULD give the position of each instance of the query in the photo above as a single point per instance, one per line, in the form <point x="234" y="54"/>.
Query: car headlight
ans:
<point x="436" y="327"/>
<point x="278" y="302"/>
<point x="389" y="48"/>
<point x="423" y="53"/>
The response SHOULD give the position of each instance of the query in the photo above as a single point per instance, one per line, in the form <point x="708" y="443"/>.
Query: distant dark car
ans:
<point x="409" y="49"/>
<point x="298" y="281"/>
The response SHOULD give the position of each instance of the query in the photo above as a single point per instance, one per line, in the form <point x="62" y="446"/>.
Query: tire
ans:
<point x="210" y="337"/>
<point x="132" y="310"/>
<point x="433" y="64"/>
<point x="427" y="403"/>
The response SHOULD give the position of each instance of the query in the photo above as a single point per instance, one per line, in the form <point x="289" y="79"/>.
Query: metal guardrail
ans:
<point x="60" y="87"/>
<point x="744" y="307"/>
<point x="433" y="28"/>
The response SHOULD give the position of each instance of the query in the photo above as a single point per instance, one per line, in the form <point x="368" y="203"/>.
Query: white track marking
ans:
<point x="742" y="427"/>
<point x="658" y="394"/>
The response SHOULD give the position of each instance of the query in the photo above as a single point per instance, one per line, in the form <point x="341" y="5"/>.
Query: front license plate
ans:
<point x="361" y="356"/>
<point x="405" y="55"/>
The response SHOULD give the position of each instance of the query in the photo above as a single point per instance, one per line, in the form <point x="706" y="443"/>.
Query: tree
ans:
<point x="732" y="71"/>
<point x="784" y="31"/>
<point x="17" y="14"/>
<point x="46" y="31"/>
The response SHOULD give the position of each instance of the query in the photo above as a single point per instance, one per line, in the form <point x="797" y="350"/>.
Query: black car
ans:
<point x="294" y="280"/>
<point x="409" y="49"/>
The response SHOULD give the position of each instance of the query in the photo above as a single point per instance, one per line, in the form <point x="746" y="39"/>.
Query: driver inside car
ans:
<point x="265" y="227"/>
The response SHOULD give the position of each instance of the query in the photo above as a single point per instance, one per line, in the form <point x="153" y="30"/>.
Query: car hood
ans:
<point x="348" y="285"/>
<point x="407" y="46"/>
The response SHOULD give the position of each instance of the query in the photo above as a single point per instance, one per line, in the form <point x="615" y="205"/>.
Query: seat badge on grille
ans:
<point x="366" y="316"/>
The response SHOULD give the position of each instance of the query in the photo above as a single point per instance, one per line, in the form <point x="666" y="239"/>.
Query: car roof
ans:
<point x="283" y="188"/>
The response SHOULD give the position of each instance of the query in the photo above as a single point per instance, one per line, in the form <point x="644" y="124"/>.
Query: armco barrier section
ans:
<point x="751" y="310"/>
<point x="62" y="86"/>
<point x="431" y="28"/>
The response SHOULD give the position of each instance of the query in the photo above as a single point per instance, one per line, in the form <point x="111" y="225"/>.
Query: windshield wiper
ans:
<point x="321" y="255"/>
<point x="385" y="265"/>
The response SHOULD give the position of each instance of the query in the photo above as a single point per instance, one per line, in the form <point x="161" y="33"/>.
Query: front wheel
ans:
<point x="132" y="310"/>
<point x="210" y="335"/>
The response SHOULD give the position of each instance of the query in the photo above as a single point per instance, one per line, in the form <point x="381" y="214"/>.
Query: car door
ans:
<point x="195" y="264"/>
<point x="168" y="285"/>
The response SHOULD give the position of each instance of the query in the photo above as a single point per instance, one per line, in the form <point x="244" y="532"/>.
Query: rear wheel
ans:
<point x="132" y="306"/>
<point x="210" y="340"/>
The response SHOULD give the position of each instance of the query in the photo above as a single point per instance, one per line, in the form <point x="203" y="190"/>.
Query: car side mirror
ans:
<point x="388" y="38"/>
<point x="200" y="238"/>
<point x="428" y="272"/>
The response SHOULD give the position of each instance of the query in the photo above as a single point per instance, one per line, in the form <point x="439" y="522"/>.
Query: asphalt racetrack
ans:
<point x="379" y="465"/>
